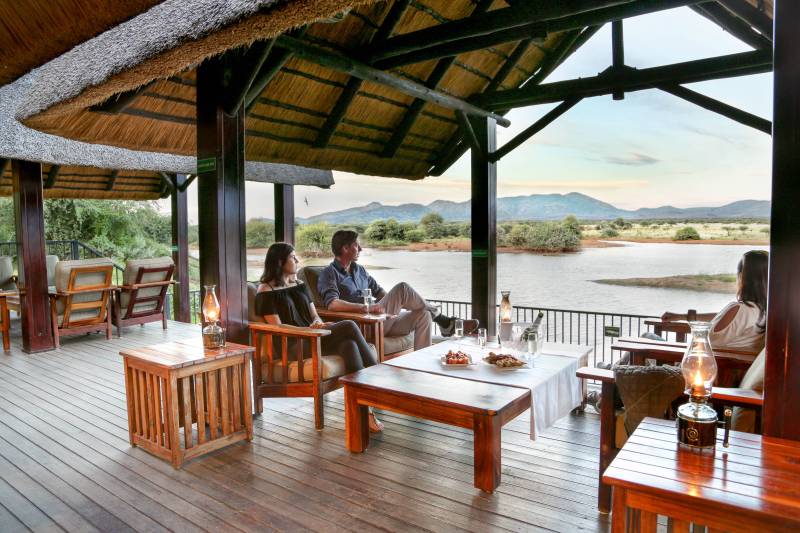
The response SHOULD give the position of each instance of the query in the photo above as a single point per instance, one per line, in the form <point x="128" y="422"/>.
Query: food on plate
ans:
<point x="457" y="358"/>
<point x="503" y="360"/>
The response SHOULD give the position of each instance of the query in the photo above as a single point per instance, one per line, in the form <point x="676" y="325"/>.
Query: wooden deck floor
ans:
<point x="66" y="463"/>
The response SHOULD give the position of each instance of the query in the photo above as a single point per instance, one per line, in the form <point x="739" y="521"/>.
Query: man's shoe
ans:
<point x="447" y="325"/>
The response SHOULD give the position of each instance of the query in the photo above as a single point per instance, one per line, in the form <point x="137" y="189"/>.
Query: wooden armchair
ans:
<point x="743" y="397"/>
<point x="13" y="300"/>
<point x="371" y="325"/>
<point x="80" y="303"/>
<point x="140" y="298"/>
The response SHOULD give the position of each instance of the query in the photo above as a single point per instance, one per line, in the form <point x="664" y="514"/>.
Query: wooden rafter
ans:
<point x="733" y="113"/>
<point x="391" y="58"/>
<point x="617" y="52"/>
<point x="467" y="131"/>
<point x="439" y="71"/>
<point x="354" y="84"/>
<point x="533" y="129"/>
<point x="631" y="79"/>
<point x="750" y="14"/>
<point x="244" y="69"/>
<point x="274" y="62"/>
<point x="733" y="25"/>
<point x="4" y="164"/>
<point x="349" y="65"/>
<point x="121" y="101"/>
<point x="51" y="176"/>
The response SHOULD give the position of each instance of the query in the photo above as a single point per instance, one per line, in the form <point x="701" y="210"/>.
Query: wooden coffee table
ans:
<point x="482" y="407"/>
<point x="180" y="384"/>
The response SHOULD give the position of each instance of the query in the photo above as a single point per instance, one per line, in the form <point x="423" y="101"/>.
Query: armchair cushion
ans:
<point x="398" y="344"/>
<point x="129" y="278"/>
<point x="310" y="275"/>
<point x="332" y="366"/>
<point x="252" y="289"/>
<point x="647" y="391"/>
<point x="50" y="264"/>
<point x="744" y="419"/>
<point x="7" y="274"/>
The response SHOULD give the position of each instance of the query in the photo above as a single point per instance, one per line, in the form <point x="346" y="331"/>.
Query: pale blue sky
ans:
<point x="648" y="150"/>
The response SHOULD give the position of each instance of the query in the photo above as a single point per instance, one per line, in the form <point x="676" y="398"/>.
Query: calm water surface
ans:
<point x="565" y="281"/>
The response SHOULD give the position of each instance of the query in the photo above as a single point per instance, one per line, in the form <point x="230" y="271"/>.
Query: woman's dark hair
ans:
<point x="342" y="238"/>
<point x="277" y="255"/>
<point x="753" y="273"/>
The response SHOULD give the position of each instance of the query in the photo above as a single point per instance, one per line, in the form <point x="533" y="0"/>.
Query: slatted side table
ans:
<point x="185" y="401"/>
<point x="750" y="486"/>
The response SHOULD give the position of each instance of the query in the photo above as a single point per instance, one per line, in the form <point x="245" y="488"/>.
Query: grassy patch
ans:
<point x="724" y="283"/>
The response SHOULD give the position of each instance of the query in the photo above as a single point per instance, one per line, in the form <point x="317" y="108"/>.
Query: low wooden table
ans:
<point x="182" y="385"/>
<point x="482" y="407"/>
<point x="5" y="317"/>
<point x="750" y="486"/>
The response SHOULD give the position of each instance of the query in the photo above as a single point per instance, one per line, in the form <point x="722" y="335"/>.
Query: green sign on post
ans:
<point x="611" y="331"/>
<point x="206" y="165"/>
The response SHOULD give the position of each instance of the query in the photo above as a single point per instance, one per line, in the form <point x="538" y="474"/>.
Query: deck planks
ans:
<point x="66" y="463"/>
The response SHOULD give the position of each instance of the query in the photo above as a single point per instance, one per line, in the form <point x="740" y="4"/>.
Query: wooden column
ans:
<point x="180" y="250"/>
<point x="484" y="225"/>
<point x="782" y="376"/>
<point x="37" y="332"/>
<point x="284" y="213"/>
<point x="220" y="161"/>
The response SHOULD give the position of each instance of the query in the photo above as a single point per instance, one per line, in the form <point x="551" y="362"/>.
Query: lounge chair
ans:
<point x="372" y="326"/>
<point x="140" y="298"/>
<point x="81" y="300"/>
<point x="279" y="367"/>
<point x="50" y="265"/>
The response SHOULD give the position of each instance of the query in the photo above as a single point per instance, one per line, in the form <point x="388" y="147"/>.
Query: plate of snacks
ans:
<point x="457" y="359"/>
<point x="504" y="361"/>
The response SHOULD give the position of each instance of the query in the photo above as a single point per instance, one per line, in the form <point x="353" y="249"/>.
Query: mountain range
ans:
<point x="539" y="207"/>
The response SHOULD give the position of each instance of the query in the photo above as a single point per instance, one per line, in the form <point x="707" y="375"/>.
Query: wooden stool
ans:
<point x="182" y="385"/>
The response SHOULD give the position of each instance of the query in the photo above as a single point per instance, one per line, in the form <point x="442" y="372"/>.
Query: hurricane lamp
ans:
<point x="213" y="333"/>
<point x="505" y="307"/>
<point x="697" y="421"/>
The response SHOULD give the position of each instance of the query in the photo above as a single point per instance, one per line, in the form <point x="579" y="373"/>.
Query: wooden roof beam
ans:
<point x="353" y="67"/>
<point x="468" y="132"/>
<point x="119" y="102"/>
<point x="521" y="14"/>
<point x="533" y="129"/>
<point x="733" y="113"/>
<point x="168" y="184"/>
<point x="392" y="56"/>
<point x="733" y="25"/>
<point x="617" y="53"/>
<point x="4" y="163"/>
<point x="244" y="70"/>
<point x="631" y="79"/>
<point x="350" y="91"/>
<point x="112" y="179"/>
<point x="410" y="117"/>
<point x="750" y="14"/>
<point x="269" y="68"/>
<point x="51" y="176"/>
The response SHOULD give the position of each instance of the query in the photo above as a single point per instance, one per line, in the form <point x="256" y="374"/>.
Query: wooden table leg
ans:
<point x="620" y="513"/>
<point x="607" y="430"/>
<point x="487" y="452"/>
<point x="356" y="422"/>
<point x="6" y="316"/>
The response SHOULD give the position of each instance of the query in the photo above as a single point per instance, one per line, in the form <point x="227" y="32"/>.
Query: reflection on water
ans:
<point x="564" y="281"/>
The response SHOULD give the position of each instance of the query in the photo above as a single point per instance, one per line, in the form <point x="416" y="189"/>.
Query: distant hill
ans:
<point x="538" y="207"/>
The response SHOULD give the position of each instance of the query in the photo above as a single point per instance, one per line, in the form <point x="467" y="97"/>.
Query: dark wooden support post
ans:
<point x="37" y="332"/>
<point x="284" y="213"/>
<point x="180" y="250"/>
<point x="484" y="226"/>
<point x="617" y="53"/>
<point x="220" y="154"/>
<point x="782" y="375"/>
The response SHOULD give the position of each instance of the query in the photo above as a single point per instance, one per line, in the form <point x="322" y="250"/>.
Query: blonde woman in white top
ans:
<point x="741" y="324"/>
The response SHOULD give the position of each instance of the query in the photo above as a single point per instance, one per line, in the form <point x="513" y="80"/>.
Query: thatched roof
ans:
<point x="287" y="118"/>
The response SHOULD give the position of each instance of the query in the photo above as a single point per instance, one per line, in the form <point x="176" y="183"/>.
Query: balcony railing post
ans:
<point x="74" y="251"/>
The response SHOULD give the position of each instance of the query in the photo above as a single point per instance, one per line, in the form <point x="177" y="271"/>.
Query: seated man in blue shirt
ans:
<point x="342" y="282"/>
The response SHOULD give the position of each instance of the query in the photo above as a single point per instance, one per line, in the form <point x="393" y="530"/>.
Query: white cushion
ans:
<point x="398" y="344"/>
<point x="744" y="419"/>
<point x="332" y="366"/>
<point x="129" y="278"/>
<point x="63" y="271"/>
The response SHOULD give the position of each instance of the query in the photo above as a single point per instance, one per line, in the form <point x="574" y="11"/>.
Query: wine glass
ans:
<point x="367" y="294"/>
<point x="482" y="337"/>
<point x="458" y="329"/>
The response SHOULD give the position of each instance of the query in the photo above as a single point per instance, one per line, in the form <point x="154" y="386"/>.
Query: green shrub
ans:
<point x="744" y="228"/>
<point x="765" y="230"/>
<point x="259" y="233"/>
<point x="686" y="234"/>
<point x="433" y="225"/>
<point x="415" y="235"/>
<point x="315" y="239"/>
<point x="609" y="233"/>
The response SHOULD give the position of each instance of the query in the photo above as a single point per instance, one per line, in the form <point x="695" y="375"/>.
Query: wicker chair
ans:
<point x="80" y="303"/>
<point x="140" y="298"/>
<point x="372" y="326"/>
<point x="280" y="370"/>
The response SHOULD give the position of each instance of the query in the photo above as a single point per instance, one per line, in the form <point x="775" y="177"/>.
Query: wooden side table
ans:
<point x="185" y="401"/>
<point x="750" y="486"/>
<point x="5" y="318"/>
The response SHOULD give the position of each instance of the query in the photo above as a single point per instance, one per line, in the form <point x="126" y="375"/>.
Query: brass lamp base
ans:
<point x="213" y="336"/>
<point x="697" y="425"/>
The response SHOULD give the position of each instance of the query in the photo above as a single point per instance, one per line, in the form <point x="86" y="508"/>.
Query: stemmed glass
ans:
<point x="368" y="300"/>
<point x="458" y="329"/>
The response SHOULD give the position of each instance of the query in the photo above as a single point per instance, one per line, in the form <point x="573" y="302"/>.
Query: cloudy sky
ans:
<point x="648" y="150"/>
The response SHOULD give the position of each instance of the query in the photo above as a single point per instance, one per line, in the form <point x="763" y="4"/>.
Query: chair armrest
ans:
<point x="600" y="374"/>
<point x="289" y="331"/>
<point x="82" y="291"/>
<point x="737" y="397"/>
<point x="355" y="317"/>
<point x="147" y="285"/>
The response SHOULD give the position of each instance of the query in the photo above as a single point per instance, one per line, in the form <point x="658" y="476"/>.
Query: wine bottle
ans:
<point x="538" y="321"/>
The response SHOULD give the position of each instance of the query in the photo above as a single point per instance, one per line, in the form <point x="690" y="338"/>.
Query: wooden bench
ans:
<point x="722" y="395"/>
<point x="482" y="407"/>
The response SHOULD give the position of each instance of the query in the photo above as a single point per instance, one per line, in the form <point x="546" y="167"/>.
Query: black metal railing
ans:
<point x="66" y="249"/>
<point x="567" y="326"/>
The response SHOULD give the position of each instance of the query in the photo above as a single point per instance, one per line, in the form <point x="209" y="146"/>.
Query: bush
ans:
<point x="686" y="234"/>
<point x="259" y="233"/>
<point x="765" y="230"/>
<point x="571" y="224"/>
<point x="543" y="236"/>
<point x="433" y="225"/>
<point x="315" y="239"/>
<point x="744" y="228"/>
<point x="415" y="235"/>
<point x="609" y="233"/>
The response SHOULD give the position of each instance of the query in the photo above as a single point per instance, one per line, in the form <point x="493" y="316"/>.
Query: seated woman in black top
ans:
<point x="283" y="299"/>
